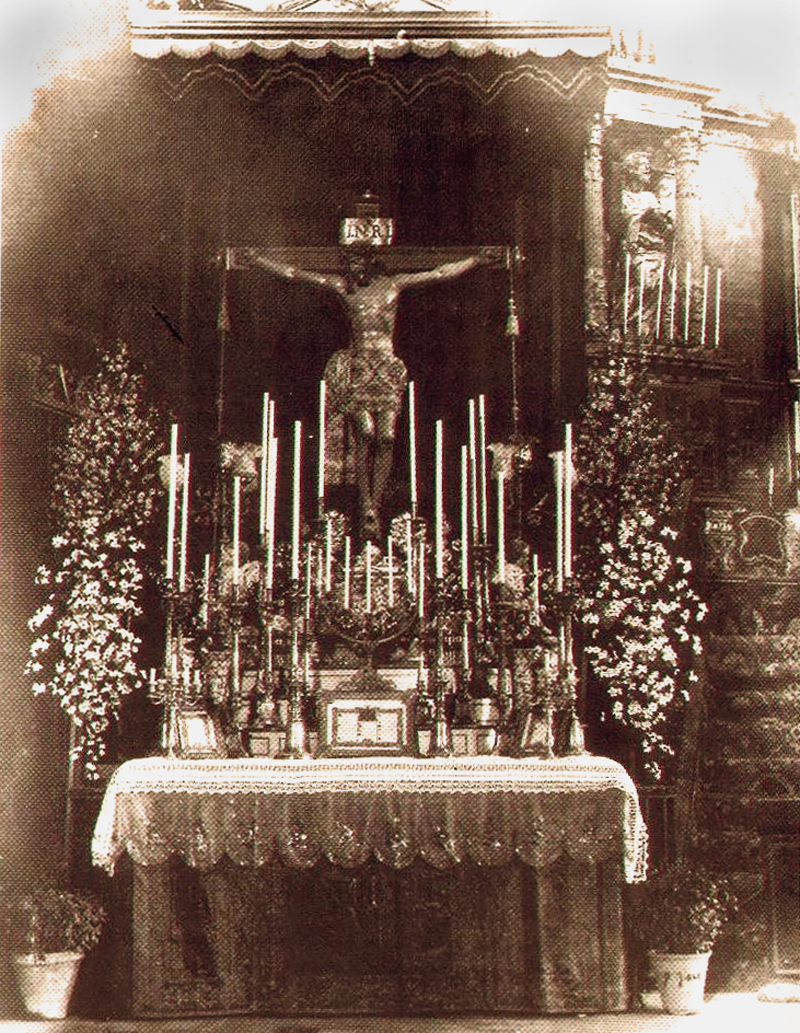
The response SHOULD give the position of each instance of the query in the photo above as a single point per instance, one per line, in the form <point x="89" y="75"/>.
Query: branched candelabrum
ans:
<point x="295" y="748"/>
<point x="268" y="610"/>
<point x="171" y="689"/>
<point x="441" y="745"/>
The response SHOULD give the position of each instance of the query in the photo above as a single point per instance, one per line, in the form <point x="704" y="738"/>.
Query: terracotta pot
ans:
<point x="681" y="979"/>
<point x="46" y="981"/>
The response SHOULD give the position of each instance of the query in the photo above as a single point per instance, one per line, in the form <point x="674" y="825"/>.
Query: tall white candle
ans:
<point x="368" y="577"/>
<point x="237" y="489"/>
<point x="771" y="483"/>
<point x="322" y="431"/>
<point x="346" y="598"/>
<point x="272" y="484"/>
<point x="421" y="581"/>
<point x="660" y="299"/>
<point x="172" y="502"/>
<point x="717" y="307"/>
<point x="328" y="555"/>
<point x="568" y="500"/>
<point x="535" y="589"/>
<point x="703" y="317"/>
<point x="673" y="294"/>
<point x="687" y="303"/>
<point x="184" y="522"/>
<point x="262" y="496"/>
<point x="501" y="528"/>
<point x="558" y="474"/>
<point x="626" y="291"/>
<point x="412" y="446"/>
<point x="320" y="571"/>
<point x="464" y="520"/>
<point x="473" y="469"/>
<point x="206" y="588"/>
<point x="482" y="465"/>
<point x="390" y="566"/>
<point x="296" y="503"/>
<point x="409" y="557"/>
<point x="640" y="312"/>
<point x="438" y="499"/>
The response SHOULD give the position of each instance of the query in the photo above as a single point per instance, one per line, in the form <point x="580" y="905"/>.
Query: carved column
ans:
<point x="688" y="202"/>
<point x="594" y="287"/>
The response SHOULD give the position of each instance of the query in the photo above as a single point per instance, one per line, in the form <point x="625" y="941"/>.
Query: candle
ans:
<point x="272" y="481"/>
<point x="368" y="578"/>
<point x="346" y="600"/>
<point x="320" y="571"/>
<point x="152" y="679"/>
<point x="660" y="298"/>
<point x="390" y="565"/>
<point x="705" y="307"/>
<point x="328" y="555"/>
<point x="625" y="298"/>
<point x="412" y="446"/>
<point x="172" y="502"/>
<point x="296" y="504"/>
<point x="771" y="483"/>
<point x="673" y="292"/>
<point x="567" y="500"/>
<point x="409" y="557"/>
<point x="558" y="460"/>
<point x="464" y="520"/>
<point x="640" y="313"/>
<point x="439" y="502"/>
<point x="184" y="522"/>
<point x="322" y="427"/>
<point x="206" y="587"/>
<point x="482" y="461"/>
<point x="687" y="302"/>
<point x="262" y="497"/>
<point x="421" y="581"/>
<point x="535" y="589"/>
<point x="473" y="469"/>
<point x="717" y="305"/>
<point x="237" y="489"/>
<point x="501" y="528"/>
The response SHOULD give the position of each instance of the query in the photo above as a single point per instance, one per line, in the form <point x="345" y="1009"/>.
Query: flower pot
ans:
<point x="46" y="981"/>
<point x="681" y="979"/>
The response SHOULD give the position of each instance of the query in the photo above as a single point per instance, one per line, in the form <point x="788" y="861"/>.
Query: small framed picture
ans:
<point x="199" y="735"/>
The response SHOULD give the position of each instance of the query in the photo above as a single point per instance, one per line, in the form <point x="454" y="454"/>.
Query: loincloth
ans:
<point x="365" y="381"/>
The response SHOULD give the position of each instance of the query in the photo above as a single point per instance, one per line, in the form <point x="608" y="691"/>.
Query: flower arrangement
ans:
<point x="50" y="920"/>
<point x="103" y="495"/>
<point x="638" y="611"/>
<point x="681" y="909"/>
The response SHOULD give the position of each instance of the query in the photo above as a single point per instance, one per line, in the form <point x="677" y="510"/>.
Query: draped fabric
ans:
<point x="486" y="810"/>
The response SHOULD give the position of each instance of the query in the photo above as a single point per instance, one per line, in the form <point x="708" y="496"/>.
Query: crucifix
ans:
<point x="365" y="382"/>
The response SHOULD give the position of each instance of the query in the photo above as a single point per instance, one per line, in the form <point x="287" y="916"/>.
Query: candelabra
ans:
<point x="295" y="746"/>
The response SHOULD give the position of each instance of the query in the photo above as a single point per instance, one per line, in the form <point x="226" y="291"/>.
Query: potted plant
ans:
<point x="677" y="916"/>
<point x="53" y="929"/>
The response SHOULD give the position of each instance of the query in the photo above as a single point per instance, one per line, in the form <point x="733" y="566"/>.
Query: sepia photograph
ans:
<point x="399" y="516"/>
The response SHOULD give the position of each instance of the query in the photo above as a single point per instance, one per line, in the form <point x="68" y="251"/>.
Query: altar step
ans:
<point x="723" y="1013"/>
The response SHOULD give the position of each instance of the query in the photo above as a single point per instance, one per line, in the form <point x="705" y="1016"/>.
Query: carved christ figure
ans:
<point x="365" y="382"/>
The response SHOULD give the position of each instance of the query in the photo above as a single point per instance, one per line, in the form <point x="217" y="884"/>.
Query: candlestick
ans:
<point x="412" y="446"/>
<point x="687" y="303"/>
<point x="390" y="564"/>
<point x="464" y="520"/>
<point x="567" y="477"/>
<point x="346" y="599"/>
<point x="322" y="428"/>
<point x="558" y="464"/>
<point x="409" y="557"/>
<point x="501" y="528"/>
<point x="640" y="313"/>
<point x="536" y="613"/>
<point x="172" y="502"/>
<point x="660" y="298"/>
<point x="673" y="294"/>
<point x="184" y="523"/>
<point x="368" y="578"/>
<point x="625" y="299"/>
<point x="717" y="307"/>
<point x="262" y="496"/>
<point x="237" y="488"/>
<point x="482" y="467"/>
<point x="705" y="307"/>
<point x="438" y="499"/>
<point x="473" y="469"/>
<point x="328" y="555"/>
<point x="296" y="504"/>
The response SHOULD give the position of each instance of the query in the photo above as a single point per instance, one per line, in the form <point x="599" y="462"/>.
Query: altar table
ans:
<point x="393" y="885"/>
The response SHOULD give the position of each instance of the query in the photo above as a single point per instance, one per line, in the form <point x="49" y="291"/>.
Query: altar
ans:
<point x="382" y="885"/>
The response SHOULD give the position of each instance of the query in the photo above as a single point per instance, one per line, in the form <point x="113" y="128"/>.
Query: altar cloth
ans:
<point x="488" y="810"/>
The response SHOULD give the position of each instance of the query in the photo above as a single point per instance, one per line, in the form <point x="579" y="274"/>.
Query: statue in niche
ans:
<point x="647" y="212"/>
<point x="365" y="382"/>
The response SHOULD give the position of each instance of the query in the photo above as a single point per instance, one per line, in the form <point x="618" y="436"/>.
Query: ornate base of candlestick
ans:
<point x="440" y="746"/>
<point x="295" y="748"/>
